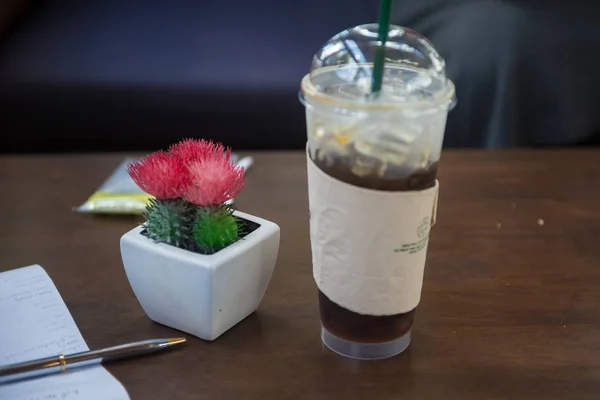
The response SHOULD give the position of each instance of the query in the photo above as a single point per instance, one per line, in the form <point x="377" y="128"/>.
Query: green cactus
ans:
<point x="215" y="228"/>
<point x="169" y="221"/>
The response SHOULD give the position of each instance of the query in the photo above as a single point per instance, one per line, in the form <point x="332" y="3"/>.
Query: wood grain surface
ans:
<point x="510" y="306"/>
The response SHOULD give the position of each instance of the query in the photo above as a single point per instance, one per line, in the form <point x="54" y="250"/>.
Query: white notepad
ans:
<point x="35" y="323"/>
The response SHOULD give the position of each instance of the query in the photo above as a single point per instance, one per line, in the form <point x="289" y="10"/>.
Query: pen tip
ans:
<point x="174" y="341"/>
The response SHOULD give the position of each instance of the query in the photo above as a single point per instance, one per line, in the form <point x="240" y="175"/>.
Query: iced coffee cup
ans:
<point x="372" y="166"/>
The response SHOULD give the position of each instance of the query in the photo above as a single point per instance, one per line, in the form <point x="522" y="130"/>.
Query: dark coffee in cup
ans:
<point x="335" y="318"/>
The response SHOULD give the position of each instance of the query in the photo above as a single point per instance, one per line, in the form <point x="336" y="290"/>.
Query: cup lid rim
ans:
<point x="439" y="98"/>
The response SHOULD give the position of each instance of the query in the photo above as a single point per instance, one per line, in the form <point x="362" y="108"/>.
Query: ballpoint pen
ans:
<point x="61" y="363"/>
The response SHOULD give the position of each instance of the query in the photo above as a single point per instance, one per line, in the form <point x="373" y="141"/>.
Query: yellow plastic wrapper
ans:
<point x="119" y="194"/>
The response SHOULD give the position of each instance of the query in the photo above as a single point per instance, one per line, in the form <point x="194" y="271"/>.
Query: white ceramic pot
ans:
<point x="203" y="295"/>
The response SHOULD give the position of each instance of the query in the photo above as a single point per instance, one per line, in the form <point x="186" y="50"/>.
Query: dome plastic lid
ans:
<point x="414" y="72"/>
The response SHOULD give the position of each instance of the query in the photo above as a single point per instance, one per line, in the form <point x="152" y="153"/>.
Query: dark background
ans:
<point x="129" y="75"/>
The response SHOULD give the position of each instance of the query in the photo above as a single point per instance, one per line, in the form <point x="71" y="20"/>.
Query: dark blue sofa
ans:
<point x="139" y="75"/>
<point x="121" y="75"/>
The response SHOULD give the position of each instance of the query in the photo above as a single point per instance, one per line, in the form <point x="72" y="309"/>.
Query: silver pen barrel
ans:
<point x="32" y="369"/>
<point x="118" y="352"/>
<point x="61" y="363"/>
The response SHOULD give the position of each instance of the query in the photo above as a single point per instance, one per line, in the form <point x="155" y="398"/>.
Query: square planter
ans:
<point x="203" y="295"/>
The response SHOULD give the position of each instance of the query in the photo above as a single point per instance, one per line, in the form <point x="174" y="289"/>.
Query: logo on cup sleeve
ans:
<point x="423" y="235"/>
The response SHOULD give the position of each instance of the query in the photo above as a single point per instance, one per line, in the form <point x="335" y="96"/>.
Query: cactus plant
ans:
<point x="169" y="221"/>
<point x="215" y="228"/>
<point x="191" y="183"/>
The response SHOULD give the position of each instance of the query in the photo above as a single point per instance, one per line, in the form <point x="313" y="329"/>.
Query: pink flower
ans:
<point x="193" y="149"/>
<point x="213" y="179"/>
<point x="161" y="175"/>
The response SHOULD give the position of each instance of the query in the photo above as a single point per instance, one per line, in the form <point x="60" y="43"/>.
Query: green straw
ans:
<point x="385" y="13"/>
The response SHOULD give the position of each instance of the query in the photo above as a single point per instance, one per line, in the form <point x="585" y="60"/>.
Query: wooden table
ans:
<point x="510" y="309"/>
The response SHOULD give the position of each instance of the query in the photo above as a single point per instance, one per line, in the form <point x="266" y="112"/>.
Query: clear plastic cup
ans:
<point x="367" y="149"/>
